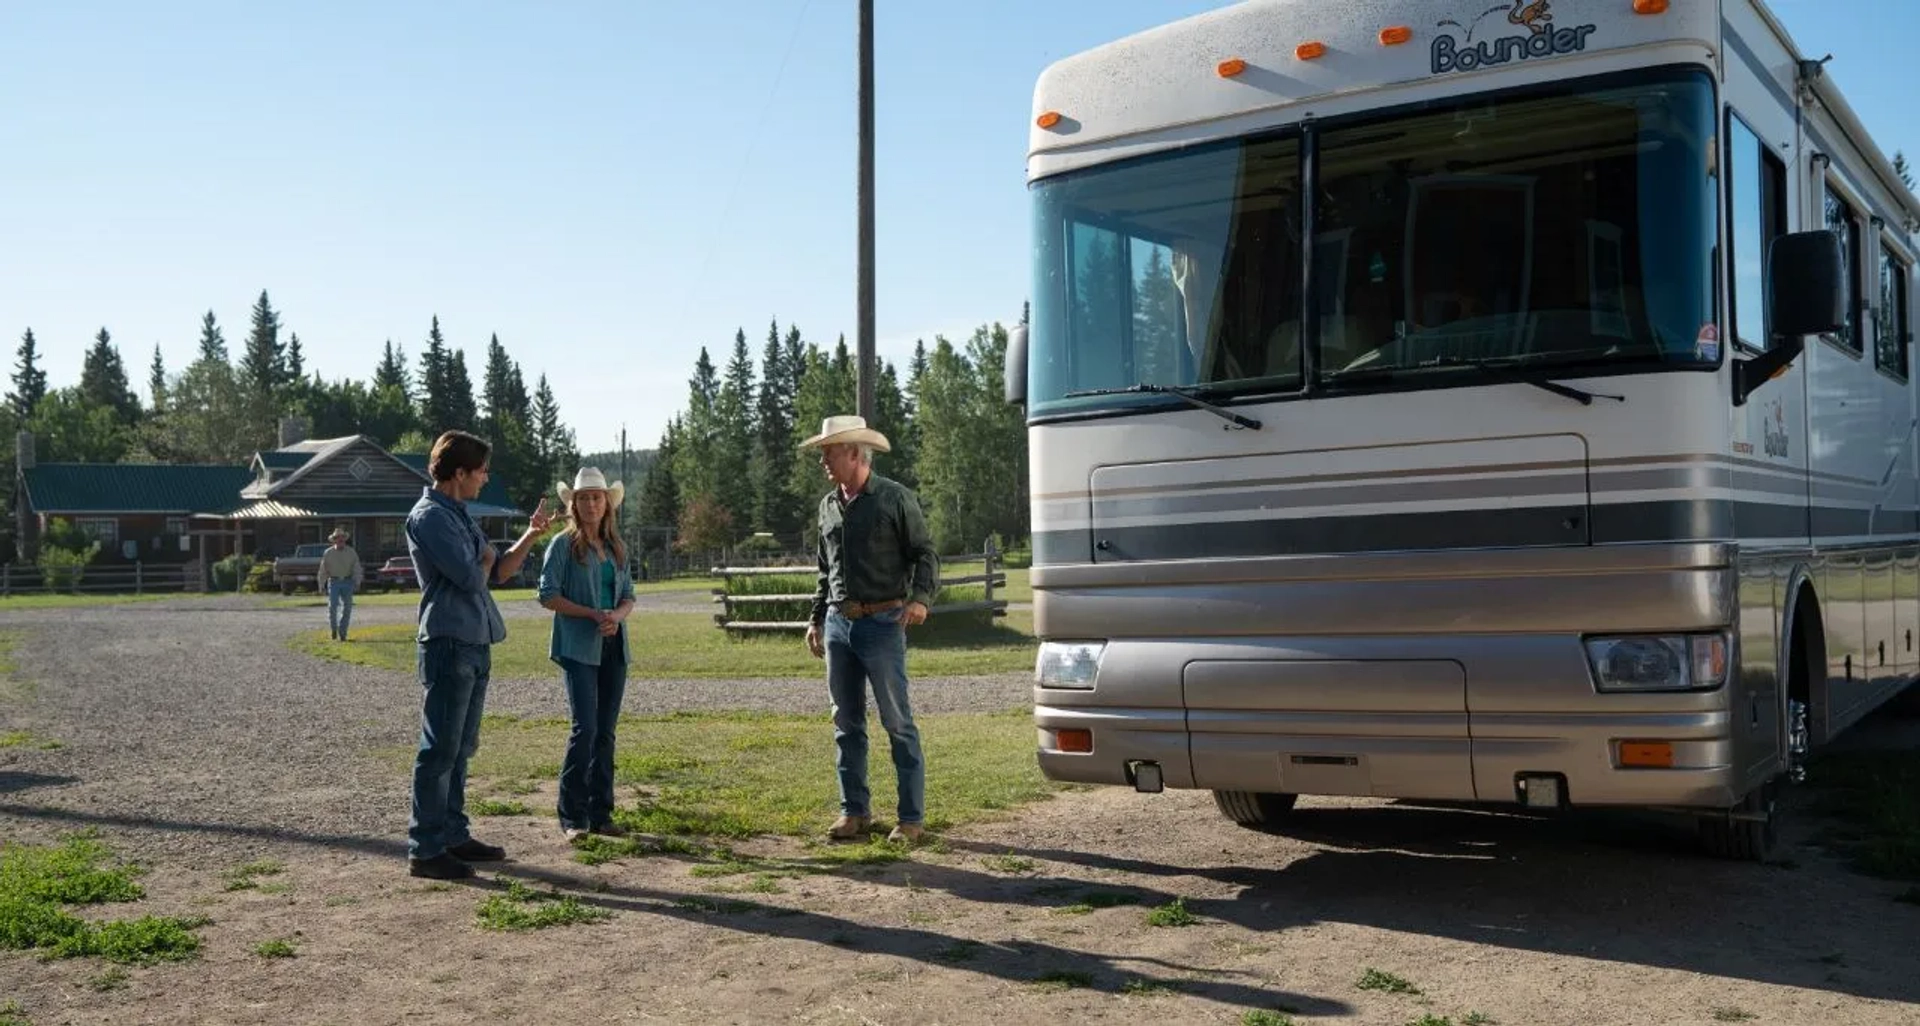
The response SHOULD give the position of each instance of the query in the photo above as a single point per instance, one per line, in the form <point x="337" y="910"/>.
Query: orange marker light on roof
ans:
<point x="1230" y="67"/>
<point x="1395" y="35"/>
<point x="1309" y="51"/>
<point x="1649" y="6"/>
<point x="1048" y="120"/>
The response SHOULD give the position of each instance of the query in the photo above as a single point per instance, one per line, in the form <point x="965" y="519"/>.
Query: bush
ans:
<point x="64" y="555"/>
<point x="229" y="571"/>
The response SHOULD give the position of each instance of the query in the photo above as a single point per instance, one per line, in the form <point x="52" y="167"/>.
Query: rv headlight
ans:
<point x="1659" y="662"/>
<point x="1068" y="664"/>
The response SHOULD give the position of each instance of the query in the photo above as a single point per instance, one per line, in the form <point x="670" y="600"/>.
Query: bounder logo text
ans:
<point x="1542" y="39"/>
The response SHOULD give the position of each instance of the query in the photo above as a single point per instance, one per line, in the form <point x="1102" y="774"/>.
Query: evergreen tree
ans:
<point x="890" y="419"/>
<point x="103" y="380"/>
<point x="436" y="405"/>
<point x="694" y="470"/>
<point x="659" y="500"/>
<point x="1158" y="314"/>
<point x="157" y="380"/>
<point x="264" y="361"/>
<point x="393" y="372"/>
<point x="29" y="381"/>
<point x="519" y="403"/>
<point x="1900" y="168"/>
<point x="461" y="411"/>
<point x="207" y="419"/>
<point x="773" y="454"/>
<point x="735" y="432"/>
<point x="552" y="442"/>
<point x="295" y="368"/>
<point x="213" y="344"/>
<point x="497" y="391"/>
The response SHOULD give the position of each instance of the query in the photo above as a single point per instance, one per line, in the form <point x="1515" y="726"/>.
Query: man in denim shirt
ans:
<point x="459" y="624"/>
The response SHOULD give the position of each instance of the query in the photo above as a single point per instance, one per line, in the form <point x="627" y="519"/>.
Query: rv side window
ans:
<point x="1890" y="341"/>
<point x="1844" y="222"/>
<point x="1757" y="214"/>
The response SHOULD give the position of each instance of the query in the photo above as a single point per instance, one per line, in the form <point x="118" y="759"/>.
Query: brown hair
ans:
<point x="609" y="534"/>
<point x="456" y="451"/>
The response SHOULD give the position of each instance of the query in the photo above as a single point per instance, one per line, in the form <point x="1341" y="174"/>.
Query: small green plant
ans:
<point x="1479" y="1019"/>
<point x="36" y="881"/>
<point x="1009" y="863"/>
<point x="497" y="807"/>
<point x="246" y="878"/>
<point x="1143" y="987"/>
<point x="1173" y="913"/>
<point x="27" y="739"/>
<point x="1385" y="982"/>
<point x="111" y="978"/>
<point x="521" y="908"/>
<point x="1262" y="1017"/>
<point x="279" y="947"/>
<point x="1729" y="1014"/>
<point x="11" y="1015"/>
<point x="1062" y="980"/>
<point x="1431" y="1019"/>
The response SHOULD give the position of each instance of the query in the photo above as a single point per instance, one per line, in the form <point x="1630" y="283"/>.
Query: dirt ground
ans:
<point x="208" y="753"/>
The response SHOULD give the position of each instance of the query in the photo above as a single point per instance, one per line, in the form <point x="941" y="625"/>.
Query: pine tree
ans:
<point x="734" y="443"/>
<point x="890" y="419"/>
<point x="550" y="438"/>
<point x="264" y="362"/>
<point x="436" y="407"/>
<point x="103" y="380"/>
<point x="295" y="368"/>
<point x="773" y="443"/>
<point x="213" y="344"/>
<point x="29" y="381"/>
<point x="393" y="373"/>
<point x="157" y="380"/>
<point x="694" y="471"/>
<point x="659" y="494"/>
<point x="461" y="411"/>
<point x="497" y="391"/>
<point x="519" y="403"/>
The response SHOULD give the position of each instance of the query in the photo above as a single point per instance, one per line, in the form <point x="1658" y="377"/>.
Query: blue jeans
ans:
<point x="339" y="605"/>
<point x="586" y="774"/>
<point x="454" y="676"/>
<point x="873" y="648"/>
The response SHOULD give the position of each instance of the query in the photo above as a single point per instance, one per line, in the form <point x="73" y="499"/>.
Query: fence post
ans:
<point x="139" y="577"/>
<point x="6" y="580"/>
<point x="991" y="552"/>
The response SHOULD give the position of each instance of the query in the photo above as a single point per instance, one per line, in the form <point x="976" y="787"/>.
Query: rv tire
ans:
<point x="1750" y="838"/>
<point x="1257" y="810"/>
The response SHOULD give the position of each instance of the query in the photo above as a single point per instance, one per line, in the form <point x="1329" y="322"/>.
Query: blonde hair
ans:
<point x="609" y="533"/>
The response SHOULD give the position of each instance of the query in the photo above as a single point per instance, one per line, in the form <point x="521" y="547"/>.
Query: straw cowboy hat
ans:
<point x="339" y="533"/>
<point x="847" y="431"/>
<point x="591" y="479"/>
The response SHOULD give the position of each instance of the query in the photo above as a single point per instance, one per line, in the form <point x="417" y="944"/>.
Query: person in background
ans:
<point x="459" y="625"/>
<point x="339" y="575"/>
<point x="584" y="580"/>
<point x="878" y="574"/>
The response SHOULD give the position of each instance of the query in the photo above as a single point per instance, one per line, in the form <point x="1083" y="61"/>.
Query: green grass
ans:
<point x="1062" y="980"/>
<point x="36" y="882"/>
<point x="1873" y="800"/>
<point x="27" y="739"/>
<point x="1730" y="1014"/>
<point x="1173" y="913"/>
<point x="12" y="1015"/>
<point x="63" y="601"/>
<point x="497" y="807"/>
<point x="688" y="645"/>
<point x="1385" y="982"/>
<point x="279" y="947"/>
<point x="1009" y="863"/>
<point x="1262" y="1017"/>
<point x="737" y="774"/>
<point x="522" y="908"/>
<point x="246" y="877"/>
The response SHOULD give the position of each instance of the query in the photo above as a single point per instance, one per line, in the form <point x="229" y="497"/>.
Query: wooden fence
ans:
<point x="116" y="579"/>
<point x="738" y="607"/>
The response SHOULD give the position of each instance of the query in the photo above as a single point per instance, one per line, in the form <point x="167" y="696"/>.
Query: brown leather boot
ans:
<point x="847" y="828"/>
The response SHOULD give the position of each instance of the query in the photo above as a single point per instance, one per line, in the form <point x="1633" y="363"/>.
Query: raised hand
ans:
<point x="542" y="517"/>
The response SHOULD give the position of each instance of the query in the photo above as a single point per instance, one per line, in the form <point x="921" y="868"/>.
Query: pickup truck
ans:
<point x="299" y="570"/>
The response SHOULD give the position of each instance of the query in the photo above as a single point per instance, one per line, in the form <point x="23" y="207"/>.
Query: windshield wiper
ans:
<point x="1174" y="390"/>
<point x="1500" y="368"/>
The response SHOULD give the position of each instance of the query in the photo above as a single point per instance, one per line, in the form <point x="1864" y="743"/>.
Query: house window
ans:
<point x="389" y="536"/>
<point x="176" y="525"/>
<point x="1890" y="341"/>
<point x="104" y="530"/>
<point x="1842" y="221"/>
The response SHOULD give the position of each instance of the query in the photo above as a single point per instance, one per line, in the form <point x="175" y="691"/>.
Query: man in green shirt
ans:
<point x="878" y="573"/>
<point x="339" y="575"/>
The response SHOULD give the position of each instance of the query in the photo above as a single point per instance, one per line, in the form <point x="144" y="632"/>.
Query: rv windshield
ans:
<point x="1554" y="230"/>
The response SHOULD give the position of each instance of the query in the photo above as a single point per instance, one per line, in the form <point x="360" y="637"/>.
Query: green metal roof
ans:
<point x="134" y="488"/>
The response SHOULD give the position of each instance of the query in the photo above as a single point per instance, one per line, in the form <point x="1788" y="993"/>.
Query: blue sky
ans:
<point x="607" y="185"/>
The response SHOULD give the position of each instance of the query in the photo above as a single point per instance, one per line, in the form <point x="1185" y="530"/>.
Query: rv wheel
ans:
<point x="1751" y="830"/>
<point x="1256" y="810"/>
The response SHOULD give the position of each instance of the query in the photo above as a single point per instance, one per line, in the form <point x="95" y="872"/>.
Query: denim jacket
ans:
<point x="560" y="574"/>
<point x="445" y="545"/>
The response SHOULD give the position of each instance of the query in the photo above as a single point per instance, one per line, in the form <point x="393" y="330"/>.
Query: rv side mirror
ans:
<point x="1806" y="285"/>
<point x="1016" y="372"/>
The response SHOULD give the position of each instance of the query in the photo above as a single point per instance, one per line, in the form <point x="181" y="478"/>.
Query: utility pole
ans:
<point x="864" y="368"/>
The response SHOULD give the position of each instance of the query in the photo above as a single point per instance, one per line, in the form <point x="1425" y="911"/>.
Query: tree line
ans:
<point x="728" y="468"/>
<point x="221" y="409"/>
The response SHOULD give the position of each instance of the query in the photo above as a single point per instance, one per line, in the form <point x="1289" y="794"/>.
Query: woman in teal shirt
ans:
<point x="584" y="580"/>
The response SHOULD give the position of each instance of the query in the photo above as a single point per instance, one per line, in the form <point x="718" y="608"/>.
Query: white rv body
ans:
<point x="1498" y="454"/>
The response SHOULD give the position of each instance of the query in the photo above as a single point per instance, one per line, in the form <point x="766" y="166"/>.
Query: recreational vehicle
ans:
<point x="1466" y="401"/>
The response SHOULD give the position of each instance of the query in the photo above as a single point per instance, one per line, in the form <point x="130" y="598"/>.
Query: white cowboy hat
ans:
<point x="338" y="532"/>
<point x="591" y="479"/>
<point x="847" y="431"/>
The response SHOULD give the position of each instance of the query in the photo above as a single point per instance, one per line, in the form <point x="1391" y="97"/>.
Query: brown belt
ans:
<point x="856" y="610"/>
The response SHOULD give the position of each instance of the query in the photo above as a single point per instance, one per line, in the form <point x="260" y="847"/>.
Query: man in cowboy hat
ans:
<point x="339" y="575"/>
<point x="878" y="573"/>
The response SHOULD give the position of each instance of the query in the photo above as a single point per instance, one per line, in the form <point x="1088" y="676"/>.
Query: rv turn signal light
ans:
<point x="1075" y="739"/>
<point x="1230" y="67"/>
<point x="1646" y="754"/>
<point x="1649" y="6"/>
<point x="1048" y="120"/>
<point x="1395" y="36"/>
<point x="1309" y="51"/>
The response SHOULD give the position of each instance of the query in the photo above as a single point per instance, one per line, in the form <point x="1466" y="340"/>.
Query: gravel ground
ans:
<point x="197" y="707"/>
